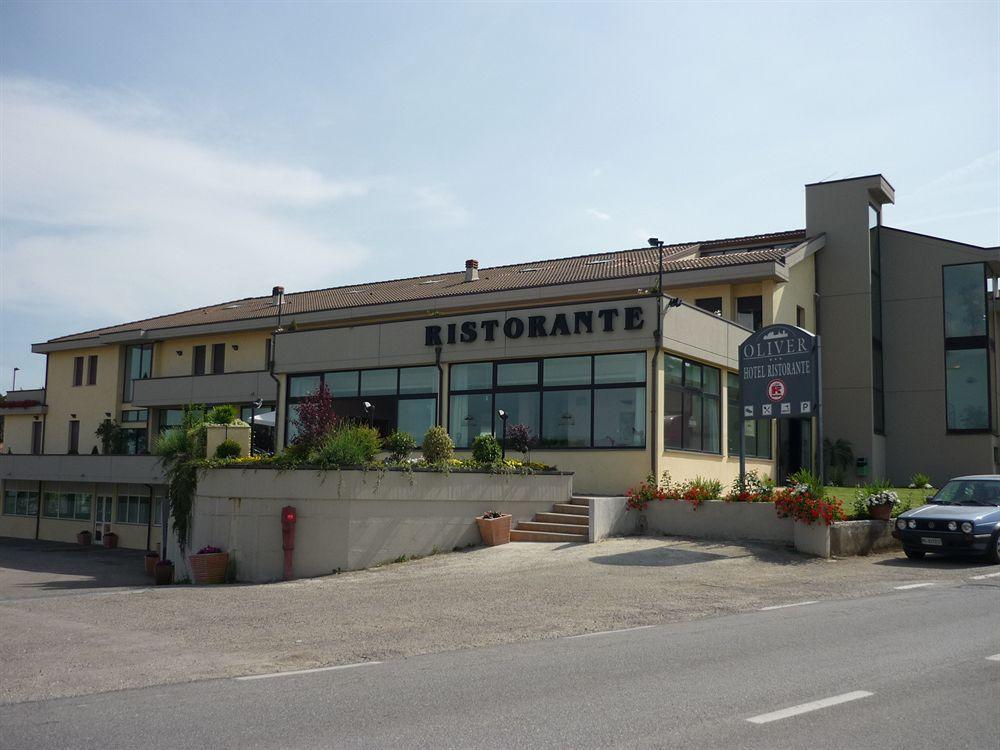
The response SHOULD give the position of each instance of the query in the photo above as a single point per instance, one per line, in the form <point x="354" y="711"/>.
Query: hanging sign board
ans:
<point x="778" y="373"/>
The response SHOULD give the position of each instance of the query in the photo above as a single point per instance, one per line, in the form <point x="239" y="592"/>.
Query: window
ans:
<point x="133" y="509"/>
<point x="756" y="432"/>
<point x="404" y="398"/>
<point x="218" y="359"/>
<point x="20" y="503"/>
<point x="710" y="304"/>
<point x="692" y="418"/>
<point x="567" y="402"/>
<point x="198" y="360"/>
<point x="74" y="436"/>
<point x="138" y="365"/>
<point x="92" y="369"/>
<point x="135" y="415"/>
<point x="36" y="438"/>
<point x="750" y="312"/>
<point x="67" y="505"/>
<point x="135" y="441"/>
<point x="267" y="354"/>
<point x="878" y="371"/>
<point x="800" y="316"/>
<point x="968" y="343"/>
<point x="77" y="371"/>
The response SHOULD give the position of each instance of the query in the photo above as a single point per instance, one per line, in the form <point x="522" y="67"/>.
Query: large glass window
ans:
<point x="20" y="503"/>
<point x="133" y="509"/>
<point x="566" y="402"/>
<point x="138" y="365"/>
<point x="750" y="312"/>
<point x="403" y="399"/>
<point x="67" y="505"/>
<point x="967" y="344"/>
<point x="692" y="415"/>
<point x="756" y="432"/>
<point x="878" y="371"/>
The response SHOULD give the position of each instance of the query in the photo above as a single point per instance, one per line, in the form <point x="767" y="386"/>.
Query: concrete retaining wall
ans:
<point x="348" y="520"/>
<point x="609" y="516"/>
<point x="719" y="520"/>
<point x="849" y="538"/>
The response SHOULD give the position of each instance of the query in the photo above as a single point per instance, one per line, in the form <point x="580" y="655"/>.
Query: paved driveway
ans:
<point x="30" y="568"/>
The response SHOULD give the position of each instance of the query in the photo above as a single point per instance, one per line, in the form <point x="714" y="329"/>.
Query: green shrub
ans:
<point x="711" y="487"/>
<point x="172" y="442"/>
<point x="222" y="414"/>
<point x="400" y="445"/>
<point x="486" y="449"/>
<point x="920" y="481"/>
<point x="437" y="445"/>
<point x="350" y="445"/>
<point x="228" y="449"/>
<point x="810" y="480"/>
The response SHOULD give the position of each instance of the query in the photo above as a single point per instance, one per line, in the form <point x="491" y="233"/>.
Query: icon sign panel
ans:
<point x="778" y="373"/>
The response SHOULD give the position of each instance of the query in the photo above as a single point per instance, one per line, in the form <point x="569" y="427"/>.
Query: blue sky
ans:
<point x="155" y="157"/>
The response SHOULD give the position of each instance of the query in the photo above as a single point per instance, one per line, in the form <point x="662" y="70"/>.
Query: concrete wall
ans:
<point x="247" y="357"/>
<point x="849" y="538"/>
<point x="609" y="516"/>
<point x="718" y="520"/>
<point x="90" y="403"/>
<point x="913" y="319"/>
<point x="350" y="520"/>
<point x="17" y="432"/>
<point x="232" y="388"/>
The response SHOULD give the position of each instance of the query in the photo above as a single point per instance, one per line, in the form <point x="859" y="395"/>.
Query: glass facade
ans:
<point x="67" y="505"/>
<point x="404" y="398"/>
<point x="878" y="368"/>
<point x="692" y="416"/>
<point x="20" y="503"/>
<point x="138" y="365"/>
<point x="967" y="344"/>
<point x="588" y="401"/>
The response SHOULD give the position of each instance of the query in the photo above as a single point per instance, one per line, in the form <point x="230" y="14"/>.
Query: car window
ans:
<point x="970" y="490"/>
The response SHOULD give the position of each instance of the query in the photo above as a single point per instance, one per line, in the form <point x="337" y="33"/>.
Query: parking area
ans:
<point x="98" y="637"/>
<point x="30" y="568"/>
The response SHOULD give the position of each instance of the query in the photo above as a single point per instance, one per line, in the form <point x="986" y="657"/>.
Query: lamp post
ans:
<point x="13" y="385"/>
<point x="254" y="406"/>
<point x="370" y="411"/>
<point x="503" y="442"/>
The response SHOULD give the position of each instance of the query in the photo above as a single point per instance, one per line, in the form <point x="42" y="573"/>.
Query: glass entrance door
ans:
<point x="102" y="517"/>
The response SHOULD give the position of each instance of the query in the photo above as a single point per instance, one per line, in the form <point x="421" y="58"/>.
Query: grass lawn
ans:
<point x="907" y="498"/>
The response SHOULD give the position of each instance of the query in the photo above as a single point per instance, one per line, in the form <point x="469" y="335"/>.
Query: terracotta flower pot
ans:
<point x="83" y="538"/>
<point x="494" y="531"/>
<point x="151" y="559"/>
<point x="110" y="539"/>
<point x="163" y="575"/>
<point x="881" y="512"/>
<point x="209" y="568"/>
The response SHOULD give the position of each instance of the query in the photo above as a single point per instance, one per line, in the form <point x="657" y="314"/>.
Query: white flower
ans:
<point x="885" y="497"/>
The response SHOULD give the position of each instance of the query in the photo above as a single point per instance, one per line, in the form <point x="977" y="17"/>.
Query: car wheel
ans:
<point x="914" y="554"/>
<point x="994" y="553"/>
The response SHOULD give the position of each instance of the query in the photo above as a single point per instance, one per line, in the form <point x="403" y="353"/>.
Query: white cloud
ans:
<point x="108" y="215"/>
<point x="440" y="206"/>
<point x="978" y="173"/>
<point x="600" y="215"/>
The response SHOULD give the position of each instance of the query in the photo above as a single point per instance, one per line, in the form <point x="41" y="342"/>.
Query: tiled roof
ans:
<point x="581" y="268"/>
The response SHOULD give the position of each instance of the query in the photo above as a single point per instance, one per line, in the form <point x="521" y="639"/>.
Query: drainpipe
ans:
<point x="437" y="362"/>
<point x="38" y="510"/>
<point x="654" y="431"/>
<point x="277" y="294"/>
<point x="149" y="523"/>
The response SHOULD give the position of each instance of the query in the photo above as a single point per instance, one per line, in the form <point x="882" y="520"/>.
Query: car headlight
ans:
<point x="911" y="523"/>
<point x="900" y="523"/>
<point x="967" y="527"/>
<point x="952" y="526"/>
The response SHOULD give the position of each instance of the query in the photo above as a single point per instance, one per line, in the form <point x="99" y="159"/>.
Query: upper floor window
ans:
<point x="750" y="312"/>
<point x="77" y="371"/>
<point x="92" y="369"/>
<point x="967" y="344"/>
<point x="138" y="365"/>
<point x="218" y="359"/>
<point x="710" y="304"/>
<point x="198" y="360"/>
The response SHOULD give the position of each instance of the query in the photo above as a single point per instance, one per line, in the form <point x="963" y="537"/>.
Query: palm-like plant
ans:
<point x="839" y="454"/>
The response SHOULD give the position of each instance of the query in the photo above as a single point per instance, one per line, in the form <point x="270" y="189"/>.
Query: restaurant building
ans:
<point x="620" y="364"/>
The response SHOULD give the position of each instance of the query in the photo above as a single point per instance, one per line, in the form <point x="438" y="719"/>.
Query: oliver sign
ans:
<point x="778" y="373"/>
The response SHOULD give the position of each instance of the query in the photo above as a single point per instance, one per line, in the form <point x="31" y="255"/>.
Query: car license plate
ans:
<point x="930" y="541"/>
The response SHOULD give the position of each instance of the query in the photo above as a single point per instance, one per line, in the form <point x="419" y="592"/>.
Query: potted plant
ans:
<point x="880" y="504"/>
<point x="110" y="539"/>
<point x="83" y="538"/>
<point x="494" y="528"/>
<point x="209" y="565"/>
<point x="163" y="573"/>
<point x="150" y="560"/>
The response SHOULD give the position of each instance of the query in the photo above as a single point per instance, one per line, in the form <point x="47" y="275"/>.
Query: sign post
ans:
<point x="779" y="379"/>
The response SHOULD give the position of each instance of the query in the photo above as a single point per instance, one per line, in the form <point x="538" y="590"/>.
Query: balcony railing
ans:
<point x="63" y="468"/>
<point x="227" y="388"/>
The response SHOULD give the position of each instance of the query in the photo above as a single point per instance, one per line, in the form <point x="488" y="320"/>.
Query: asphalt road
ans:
<point x="907" y="668"/>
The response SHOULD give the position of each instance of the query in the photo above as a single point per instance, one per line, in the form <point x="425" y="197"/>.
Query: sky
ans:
<point x="161" y="156"/>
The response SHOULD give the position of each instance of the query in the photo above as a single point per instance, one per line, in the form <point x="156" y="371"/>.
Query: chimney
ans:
<point x="472" y="270"/>
<point x="277" y="294"/>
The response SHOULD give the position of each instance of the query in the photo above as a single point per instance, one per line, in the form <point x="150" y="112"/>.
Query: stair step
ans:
<point x="573" y="518"/>
<point x="559" y="528"/>
<point x="576" y="510"/>
<point x="518" y="535"/>
<point x="580" y="501"/>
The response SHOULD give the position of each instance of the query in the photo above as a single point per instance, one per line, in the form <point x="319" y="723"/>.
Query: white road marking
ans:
<point x="609" y="632"/>
<point x="305" y="671"/>
<point x="912" y="586"/>
<point x="807" y="707"/>
<point x="995" y="657"/>
<point x="987" y="575"/>
<point x="782" y="606"/>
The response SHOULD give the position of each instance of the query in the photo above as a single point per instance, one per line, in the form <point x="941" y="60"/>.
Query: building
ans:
<point x="572" y="347"/>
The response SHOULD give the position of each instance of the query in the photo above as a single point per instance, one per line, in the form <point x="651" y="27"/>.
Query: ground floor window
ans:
<point x="74" y="505"/>
<point x="593" y="401"/>
<point x="133" y="509"/>
<point x="756" y="432"/>
<point x="692" y="415"/>
<point x="20" y="503"/>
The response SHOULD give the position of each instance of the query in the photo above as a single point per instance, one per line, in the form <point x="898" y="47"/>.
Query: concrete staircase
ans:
<point x="568" y="522"/>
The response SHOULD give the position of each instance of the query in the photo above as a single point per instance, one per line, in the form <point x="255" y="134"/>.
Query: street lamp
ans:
<point x="254" y="406"/>
<point x="13" y="385"/>
<point x="503" y="443"/>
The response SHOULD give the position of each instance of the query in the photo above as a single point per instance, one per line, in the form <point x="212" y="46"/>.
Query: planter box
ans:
<point x="110" y="540"/>
<point x="494" y="531"/>
<point x="849" y="538"/>
<point x="150" y="561"/>
<point x="209" y="568"/>
<point x="163" y="575"/>
<point x="83" y="538"/>
<point x="812" y="539"/>
<point x="718" y="520"/>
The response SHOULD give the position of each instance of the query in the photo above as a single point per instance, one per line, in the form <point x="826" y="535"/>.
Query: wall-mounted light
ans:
<point x="107" y="414"/>
<point x="236" y="347"/>
<point x="72" y="416"/>
<point x="370" y="410"/>
<point x="180" y="352"/>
